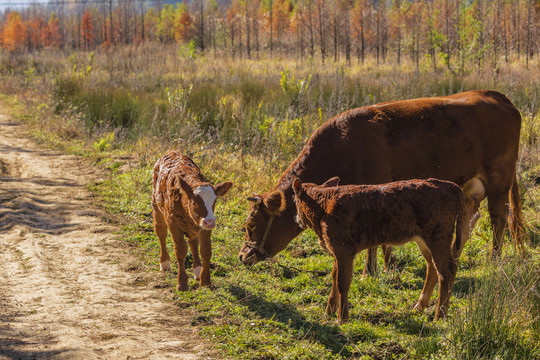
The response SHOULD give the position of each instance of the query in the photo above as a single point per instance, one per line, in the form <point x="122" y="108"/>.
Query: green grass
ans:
<point x="245" y="122"/>
<point x="276" y="308"/>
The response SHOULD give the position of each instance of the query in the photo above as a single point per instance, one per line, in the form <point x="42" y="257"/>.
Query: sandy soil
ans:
<point x="69" y="289"/>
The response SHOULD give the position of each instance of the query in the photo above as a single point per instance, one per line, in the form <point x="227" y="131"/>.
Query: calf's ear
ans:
<point x="275" y="202"/>
<point x="297" y="185"/>
<point x="222" y="188"/>
<point x="185" y="186"/>
<point x="331" y="182"/>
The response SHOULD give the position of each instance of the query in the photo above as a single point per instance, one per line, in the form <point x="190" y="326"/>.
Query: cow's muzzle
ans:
<point x="249" y="255"/>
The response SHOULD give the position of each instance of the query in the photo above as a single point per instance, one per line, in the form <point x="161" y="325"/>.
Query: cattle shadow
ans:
<point x="330" y="336"/>
<point x="18" y="344"/>
<point x="40" y="181"/>
<point x="465" y="286"/>
<point x="25" y="208"/>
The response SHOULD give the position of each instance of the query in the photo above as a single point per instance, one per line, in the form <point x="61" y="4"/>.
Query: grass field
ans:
<point x="245" y="121"/>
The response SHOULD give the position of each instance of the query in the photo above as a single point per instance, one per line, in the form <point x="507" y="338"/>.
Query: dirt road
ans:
<point x="69" y="289"/>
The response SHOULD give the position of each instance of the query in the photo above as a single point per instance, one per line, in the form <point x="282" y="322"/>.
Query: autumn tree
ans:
<point x="13" y="35"/>
<point x="183" y="24"/>
<point x="87" y="30"/>
<point x="281" y="19"/>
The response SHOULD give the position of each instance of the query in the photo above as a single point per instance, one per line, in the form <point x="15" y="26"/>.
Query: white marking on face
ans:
<point x="208" y="196"/>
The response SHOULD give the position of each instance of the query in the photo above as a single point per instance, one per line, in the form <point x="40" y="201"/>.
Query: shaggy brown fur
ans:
<point x="178" y="209"/>
<point x="352" y="218"/>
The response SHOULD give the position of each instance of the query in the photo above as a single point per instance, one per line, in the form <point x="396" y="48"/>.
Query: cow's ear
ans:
<point x="331" y="182"/>
<point x="222" y="188"/>
<point x="275" y="202"/>
<point x="297" y="186"/>
<point x="185" y="187"/>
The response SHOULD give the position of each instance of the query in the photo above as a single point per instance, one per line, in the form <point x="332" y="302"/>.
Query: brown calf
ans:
<point x="183" y="202"/>
<point x="352" y="218"/>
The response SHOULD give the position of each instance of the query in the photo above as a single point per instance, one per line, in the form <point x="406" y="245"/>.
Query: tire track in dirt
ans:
<point x="69" y="289"/>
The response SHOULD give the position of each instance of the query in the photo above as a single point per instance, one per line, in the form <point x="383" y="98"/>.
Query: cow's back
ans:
<point x="454" y="138"/>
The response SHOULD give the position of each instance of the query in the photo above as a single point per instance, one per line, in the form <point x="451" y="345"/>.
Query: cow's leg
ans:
<point x="345" y="264"/>
<point x="193" y="241"/>
<point x="160" y="228"/>
<point x="498" y="212"/>
<point x="206" y="254"/>
<point x="333" y="299"/>
<point x="371" y="262"/>
<point x="389" y="258"/>
<point x="431" y="276"/>
<point x="180" y="250"/>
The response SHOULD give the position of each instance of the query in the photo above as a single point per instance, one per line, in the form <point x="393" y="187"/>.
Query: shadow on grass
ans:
<point x="465" y="286"/>
<point x="329" y="336"/>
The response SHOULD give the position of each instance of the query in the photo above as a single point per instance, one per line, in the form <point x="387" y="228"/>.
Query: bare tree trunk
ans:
<point x="322" y="30"/>
<point x="248" y="31"/>
<point x="311" y="35"/>
<point x="528" y="47"/>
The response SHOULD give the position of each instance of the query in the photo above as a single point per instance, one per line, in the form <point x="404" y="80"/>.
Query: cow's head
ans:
<point x="300" y="198"/>
<point x="270" y="226"/>
<point x="201" y="200"/>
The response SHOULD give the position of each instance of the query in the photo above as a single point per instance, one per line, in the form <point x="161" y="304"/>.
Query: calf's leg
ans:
<point x="180" y="250"/>
<point x="193" y="242"/>
<point x="206" y="254"/>
<point x="160" y="228"/>
<point x="333" y="299"/>
<point x="431" y="276"/>
<point x="345" y="263"/>
<point x="447" y="274"/>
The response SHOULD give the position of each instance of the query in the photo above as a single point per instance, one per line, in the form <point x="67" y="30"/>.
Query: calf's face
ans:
<point x="201" y="202"/>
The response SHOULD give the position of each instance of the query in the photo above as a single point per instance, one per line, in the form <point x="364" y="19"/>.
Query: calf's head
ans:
<point x="304" y="203"/>
<point x="200" y="201"/>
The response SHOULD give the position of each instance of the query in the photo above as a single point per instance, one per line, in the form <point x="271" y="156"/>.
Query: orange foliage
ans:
<point x="13" y="34"/>
<point x="87" y="30"/>
<point x="183" y="27"/>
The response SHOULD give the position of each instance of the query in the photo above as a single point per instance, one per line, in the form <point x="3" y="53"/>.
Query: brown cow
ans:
<point x="183" y="202"/>
<point x="471" y="138"/>
<point x="349" y="219"/>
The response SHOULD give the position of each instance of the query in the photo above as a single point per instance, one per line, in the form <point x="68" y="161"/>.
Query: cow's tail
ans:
<point x="515" y="218"/>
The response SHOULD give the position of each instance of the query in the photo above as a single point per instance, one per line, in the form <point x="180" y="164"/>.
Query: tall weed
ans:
<point x="501" y="320"/>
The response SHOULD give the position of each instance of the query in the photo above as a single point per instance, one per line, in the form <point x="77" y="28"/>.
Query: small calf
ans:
<point x="183" y="203"/>
<point x="352" y="218"/>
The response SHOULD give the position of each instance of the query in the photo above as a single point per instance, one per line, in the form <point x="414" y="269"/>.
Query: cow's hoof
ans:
<point x="165" y="266"/>
<point x="182" y="287"/>
<point x="197" y="272"/>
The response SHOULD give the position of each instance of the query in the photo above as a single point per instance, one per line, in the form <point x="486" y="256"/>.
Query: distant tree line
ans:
<point x="456" y="34"/>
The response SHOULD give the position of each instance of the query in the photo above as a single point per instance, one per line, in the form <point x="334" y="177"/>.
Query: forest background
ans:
<point x="457" y="34"/>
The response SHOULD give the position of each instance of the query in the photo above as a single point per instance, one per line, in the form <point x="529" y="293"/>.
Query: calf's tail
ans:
<point x="515" y="219"/>
<point x="462" y="226"/>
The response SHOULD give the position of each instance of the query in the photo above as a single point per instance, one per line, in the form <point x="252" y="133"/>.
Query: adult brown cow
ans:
<point x="183" y="203"/>
<point x="470" y="138"/>
<point x="349" y="219"/>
